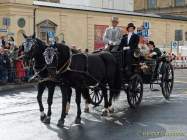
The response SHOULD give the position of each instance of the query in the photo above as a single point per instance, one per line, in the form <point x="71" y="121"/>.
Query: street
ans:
<point x="155" y="119"/>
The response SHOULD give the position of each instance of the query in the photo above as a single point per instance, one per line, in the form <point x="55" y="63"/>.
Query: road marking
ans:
<point x="118" y="122"/>
<point x="184" y="82"/>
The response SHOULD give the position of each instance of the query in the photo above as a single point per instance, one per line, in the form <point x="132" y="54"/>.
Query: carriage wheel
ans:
<point x="96" y="96"/>
<point x="135" y="91"/>
<point x="167" y="81"/>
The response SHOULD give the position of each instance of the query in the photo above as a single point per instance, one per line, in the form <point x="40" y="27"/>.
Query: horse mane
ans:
<point x="41" y="43"/>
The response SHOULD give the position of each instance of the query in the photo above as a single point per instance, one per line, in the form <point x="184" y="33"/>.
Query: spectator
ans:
<point x="13" y="54"/>
<point x="2" y="42"/>
<point x="80" y="50"/>
<point x="173" y="56"/>
<point x="13" y="64"/>
<point x="4" y="66"/>
<point x="74" y="49"/>
<point x="20" y="71"/>
<point x="86" y="51"/>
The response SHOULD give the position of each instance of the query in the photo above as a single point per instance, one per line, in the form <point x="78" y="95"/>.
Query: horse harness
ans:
<point x="50" y="54"/>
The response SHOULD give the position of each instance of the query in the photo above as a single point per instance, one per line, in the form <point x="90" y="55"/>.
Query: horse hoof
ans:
<point x="86" y="110"/>
<point x="47" y="120"/>
<point x="60" y="123"/>
<point x="104" y="112"/>
<point x="111" y="110"/>
<point x="78" y="121"/>
<point x="42" y="118"/>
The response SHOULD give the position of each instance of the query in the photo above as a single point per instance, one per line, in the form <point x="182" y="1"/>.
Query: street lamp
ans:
<point x="34" y="21"/>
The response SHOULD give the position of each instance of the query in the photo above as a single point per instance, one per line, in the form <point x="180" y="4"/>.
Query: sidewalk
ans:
<point x="10" y="87"/>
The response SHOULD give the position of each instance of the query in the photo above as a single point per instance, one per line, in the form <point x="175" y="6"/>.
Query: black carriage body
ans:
<point x="148" y="76"/>
<point x="158" y="71"/>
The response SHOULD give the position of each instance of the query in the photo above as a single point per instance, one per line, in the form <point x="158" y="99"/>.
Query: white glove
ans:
<point x="126" y="48"/>
<point x="110" y="42"/>
<point x="152" y="54"/>
<point x="106" y="46"/>
<point x="114" y="43"/>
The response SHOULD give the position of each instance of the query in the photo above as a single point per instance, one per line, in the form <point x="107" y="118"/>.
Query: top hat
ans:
<point x="114" y="18"/>
<point x="130" y="25"/>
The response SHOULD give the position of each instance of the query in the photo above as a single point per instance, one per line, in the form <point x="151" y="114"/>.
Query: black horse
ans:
<point x="80" y="71"/>
<point x="41" y="72"/>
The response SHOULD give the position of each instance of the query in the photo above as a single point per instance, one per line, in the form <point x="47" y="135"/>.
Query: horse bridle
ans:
<point x="61" y="70"/>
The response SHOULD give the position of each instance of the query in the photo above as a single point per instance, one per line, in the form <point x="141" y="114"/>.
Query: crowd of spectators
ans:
<point x="14" y="66"/>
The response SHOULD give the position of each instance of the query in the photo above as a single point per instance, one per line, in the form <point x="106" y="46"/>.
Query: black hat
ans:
<point x="130" y="25"/>
<point x="151" y="43"/>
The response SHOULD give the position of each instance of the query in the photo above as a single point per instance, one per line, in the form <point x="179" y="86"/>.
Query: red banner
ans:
<point x="99" y="32"/>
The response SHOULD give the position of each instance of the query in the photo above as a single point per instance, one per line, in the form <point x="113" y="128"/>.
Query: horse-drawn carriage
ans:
<point x="97" y="72"/>
<point x="144" y="71"/>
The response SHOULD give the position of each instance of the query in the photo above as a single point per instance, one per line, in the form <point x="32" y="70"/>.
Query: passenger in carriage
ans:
<point x="113" y="35"/>
<point x="129" y="43"/>
<point x="144" y="50"/>
<point x="154" y="51"/>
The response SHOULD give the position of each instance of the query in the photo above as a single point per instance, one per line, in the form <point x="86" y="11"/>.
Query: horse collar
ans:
<point x="49" y="55"/>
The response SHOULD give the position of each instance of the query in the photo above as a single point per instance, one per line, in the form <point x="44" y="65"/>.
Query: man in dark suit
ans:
<point x="129" y="43"/>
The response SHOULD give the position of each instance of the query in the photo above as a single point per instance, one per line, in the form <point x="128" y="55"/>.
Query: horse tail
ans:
<point x="113" y="74"/>
<point x="117" y="83"/>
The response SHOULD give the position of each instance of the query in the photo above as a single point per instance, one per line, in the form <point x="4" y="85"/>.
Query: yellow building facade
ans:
<point x="173" y="7"/>
<point x="77" y="26"/>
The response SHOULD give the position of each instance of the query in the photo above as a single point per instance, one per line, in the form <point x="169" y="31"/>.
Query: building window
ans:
<point x="151" y="4"/>
<point x="179" y="2"/>
<point x="178" y="35"/>
<point x="44" y="28"/>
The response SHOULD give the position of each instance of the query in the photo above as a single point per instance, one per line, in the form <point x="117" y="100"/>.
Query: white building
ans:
<point x="126" y="5"/>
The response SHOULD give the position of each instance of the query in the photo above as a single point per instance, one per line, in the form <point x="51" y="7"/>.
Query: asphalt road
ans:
<point x="155" y="119"/>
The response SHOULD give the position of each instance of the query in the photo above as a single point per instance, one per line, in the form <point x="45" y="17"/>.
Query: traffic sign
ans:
<point x="175" y="44"/>
<point x="146" y="25"/>
<point x="145" y="33"/>
<point x="6" y="21"/>
<point x="51" y="34"/>
<point x="3" y="30"/>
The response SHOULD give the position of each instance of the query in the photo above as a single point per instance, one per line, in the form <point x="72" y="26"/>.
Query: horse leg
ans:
<point x="86" y="108"/>
<point x="86" y="96"/>
<point x="51" y="89"/>
<point x="69" y="100"/>
<point x="41" y="88"/>
<point x="105" y="110"/>
<point x="78" y="102"/>
<point x="110" y="108"/>
<point x="64" y="90"/>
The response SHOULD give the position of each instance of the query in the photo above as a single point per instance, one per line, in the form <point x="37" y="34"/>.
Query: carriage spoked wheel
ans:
<point x="135" y="91"/>
<point x="151" y="87"/>
<point x="167" y="80"/>
<point x="96" y="96"/>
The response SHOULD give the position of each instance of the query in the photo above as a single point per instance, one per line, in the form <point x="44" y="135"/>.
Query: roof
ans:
<point x="183" y="18"/>
<point x="105" y="10"/>
<point x="47" y="21"/>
